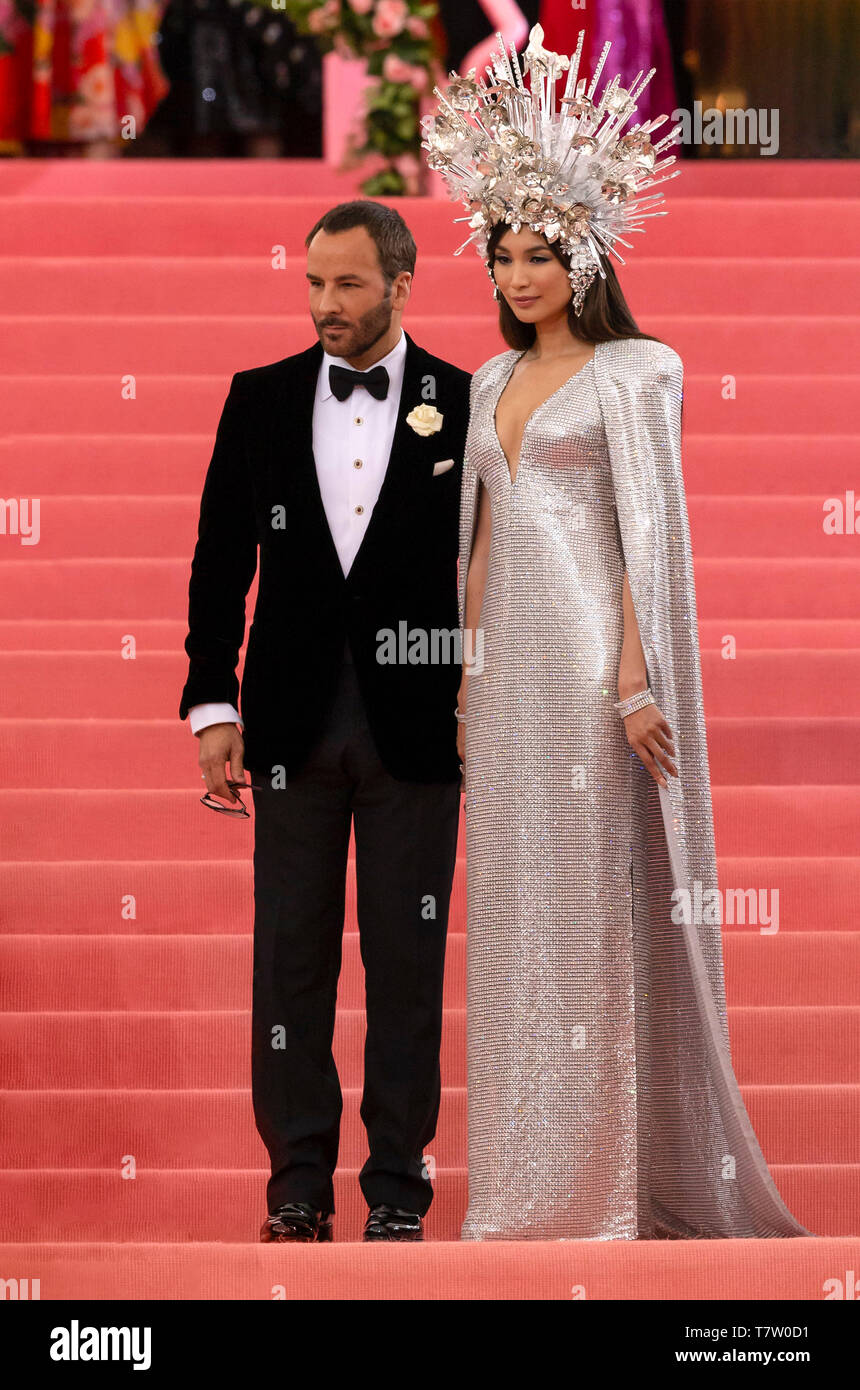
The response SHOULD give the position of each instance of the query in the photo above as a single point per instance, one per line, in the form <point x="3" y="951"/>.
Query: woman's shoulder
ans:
<point x="645" y="356"/>
<point x="487" y="368"/>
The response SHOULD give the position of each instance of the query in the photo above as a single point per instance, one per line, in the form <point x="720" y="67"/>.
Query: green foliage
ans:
<point x="392" y="109"/>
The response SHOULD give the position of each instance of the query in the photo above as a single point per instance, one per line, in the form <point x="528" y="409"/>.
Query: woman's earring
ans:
<point x="496" y="292"/>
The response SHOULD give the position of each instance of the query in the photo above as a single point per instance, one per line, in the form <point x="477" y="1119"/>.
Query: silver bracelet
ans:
<point x="635" y="702"/>
<point x="460" y="717"/>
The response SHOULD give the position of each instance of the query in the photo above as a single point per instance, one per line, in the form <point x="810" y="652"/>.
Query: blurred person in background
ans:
<point x="72" y="72"/>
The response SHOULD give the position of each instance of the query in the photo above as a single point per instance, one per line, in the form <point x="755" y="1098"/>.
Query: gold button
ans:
<point x="356" y="463"/>
<point x="359" y="510"/>
<point x="358" y="420"/>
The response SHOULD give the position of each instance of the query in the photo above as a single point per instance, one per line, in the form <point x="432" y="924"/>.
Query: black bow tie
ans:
<point x="342" y="379"/>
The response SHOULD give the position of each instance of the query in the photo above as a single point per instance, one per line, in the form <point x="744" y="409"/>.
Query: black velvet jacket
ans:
<point x="261" y="490"/>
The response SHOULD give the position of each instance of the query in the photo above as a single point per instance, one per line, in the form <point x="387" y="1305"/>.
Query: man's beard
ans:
<point x="357" y="339"/>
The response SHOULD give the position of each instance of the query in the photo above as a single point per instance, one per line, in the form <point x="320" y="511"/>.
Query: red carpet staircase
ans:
<point x="129" y="1162"/>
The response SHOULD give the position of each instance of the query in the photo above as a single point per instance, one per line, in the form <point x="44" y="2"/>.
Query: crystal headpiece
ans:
<point x="508" y="155"/>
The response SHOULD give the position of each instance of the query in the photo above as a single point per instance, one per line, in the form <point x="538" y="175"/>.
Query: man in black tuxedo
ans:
<point x="343" y="464"/>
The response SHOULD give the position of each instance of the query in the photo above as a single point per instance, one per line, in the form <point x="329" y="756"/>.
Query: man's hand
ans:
<point x="221" y="744"/>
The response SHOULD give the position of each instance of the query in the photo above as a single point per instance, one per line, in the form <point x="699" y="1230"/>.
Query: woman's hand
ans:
<point x="648" y="735"/>
<point x="461" y="728"/>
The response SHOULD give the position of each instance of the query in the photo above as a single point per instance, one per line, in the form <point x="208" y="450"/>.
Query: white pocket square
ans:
<point x="442" y="466"/>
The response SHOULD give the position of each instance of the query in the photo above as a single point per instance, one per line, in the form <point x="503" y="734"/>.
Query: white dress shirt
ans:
<point x="351" y="442"/>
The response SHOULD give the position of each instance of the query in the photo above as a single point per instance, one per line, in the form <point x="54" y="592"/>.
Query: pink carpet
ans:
<point x="125" y="1030"/>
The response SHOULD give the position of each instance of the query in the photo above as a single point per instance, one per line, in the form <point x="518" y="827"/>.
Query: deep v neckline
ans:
<point x="512" y="480"/>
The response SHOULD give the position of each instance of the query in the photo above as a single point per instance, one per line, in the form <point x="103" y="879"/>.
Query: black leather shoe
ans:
<point x="393" y="1223"/>
<point x="297" y="1221"/>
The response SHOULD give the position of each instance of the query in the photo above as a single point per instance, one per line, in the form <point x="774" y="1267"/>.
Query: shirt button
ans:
<point x="356" y="463"/>
<point x="359" y="510"/>
<point x="358" y="420"/>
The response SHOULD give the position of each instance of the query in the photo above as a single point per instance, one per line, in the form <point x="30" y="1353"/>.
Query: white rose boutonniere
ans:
<point x="425" y="420"/>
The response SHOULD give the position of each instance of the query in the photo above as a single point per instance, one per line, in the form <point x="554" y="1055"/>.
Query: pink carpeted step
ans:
<point x="213" y="178"/>
<point x="147" y="824"/>
<point x="120" y="824"/>
<point x="94" y="526"/>
<point x="116" y="752"/>
<point x="778" y="683"/>
<point x="105" y="634"/>
<point x="777" y="750"/>
<point x="188" y="344"/>
<point x="160" y="973"/>
<point x="37" y="464"/>
<point x="50" y="178"/>
<point x="760" y="634"/>
<point x="76" y="403"/>
<point x="771" y="1046"/>
<point x="188" y="1129"/>
<point x="742" y="589"/>
<point x="216" y="896"/>
<point x="777" y="588"/>
<point x="775" y="526"/>
<point x="206" y="1204"/>
<point x="143" y="525"/>
<point x="186" y="225"/>
<point x="807" y="820"/>
<point x="620" y="1270"/>
<point x="242" y="285"/>
<point x="87" y="685"/>
<point x="166" y="634"/>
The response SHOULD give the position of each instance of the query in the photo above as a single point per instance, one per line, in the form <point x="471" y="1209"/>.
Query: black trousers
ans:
<point x="406" y="845"/>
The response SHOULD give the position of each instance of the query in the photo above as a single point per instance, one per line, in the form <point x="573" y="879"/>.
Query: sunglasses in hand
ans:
<point x="239" y="811"/>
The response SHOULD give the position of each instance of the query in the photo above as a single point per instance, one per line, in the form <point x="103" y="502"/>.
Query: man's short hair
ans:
<point x="395" y="244"/>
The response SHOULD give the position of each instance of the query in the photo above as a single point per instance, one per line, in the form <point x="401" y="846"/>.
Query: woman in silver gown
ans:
<point x="602" y="1103"/>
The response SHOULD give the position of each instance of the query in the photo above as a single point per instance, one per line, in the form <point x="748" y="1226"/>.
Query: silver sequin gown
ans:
<point x="602" y="1103"/>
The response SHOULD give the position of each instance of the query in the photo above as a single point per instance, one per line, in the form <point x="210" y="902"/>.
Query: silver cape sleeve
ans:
<point x="641" y="384"/>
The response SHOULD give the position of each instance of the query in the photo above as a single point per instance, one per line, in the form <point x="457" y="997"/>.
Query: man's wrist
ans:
<point x="202" y="716"/>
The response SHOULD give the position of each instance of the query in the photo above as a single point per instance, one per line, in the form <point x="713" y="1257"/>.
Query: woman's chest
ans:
<point x="521" y="397"/>
<point x="561" y="445"/>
